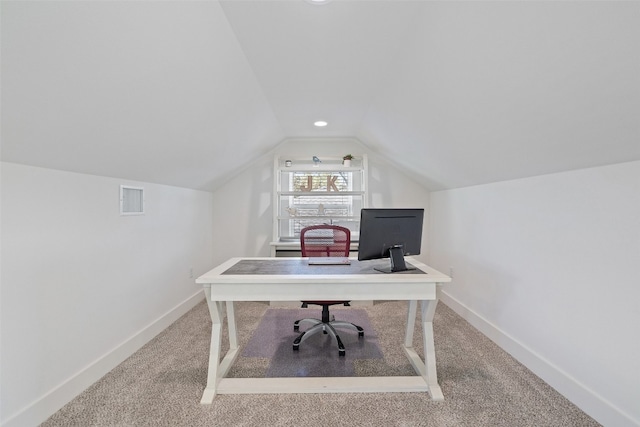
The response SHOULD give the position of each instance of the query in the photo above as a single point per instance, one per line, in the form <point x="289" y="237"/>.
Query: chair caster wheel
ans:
<point x="341" y="353"/>
<point x="296" y="328"/>
<point x="360" y="334"/>
<point x="296" y="348"/>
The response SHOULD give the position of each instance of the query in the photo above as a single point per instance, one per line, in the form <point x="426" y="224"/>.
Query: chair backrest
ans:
<point x="325" y="240"/>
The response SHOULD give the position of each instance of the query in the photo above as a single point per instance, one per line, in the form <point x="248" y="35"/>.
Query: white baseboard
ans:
<point x="47" y="405"/>
<point x="587" y="400"/>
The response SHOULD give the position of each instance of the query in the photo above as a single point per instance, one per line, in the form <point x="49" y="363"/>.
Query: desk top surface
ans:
<point x="300" y="266"/>
<point x="276" y="271"/>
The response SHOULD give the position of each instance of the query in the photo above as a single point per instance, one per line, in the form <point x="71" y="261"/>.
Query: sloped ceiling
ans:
<point x="186" y="92"/>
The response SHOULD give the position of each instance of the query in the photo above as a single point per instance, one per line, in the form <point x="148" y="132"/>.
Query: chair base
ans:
<point x="325" y="327"/>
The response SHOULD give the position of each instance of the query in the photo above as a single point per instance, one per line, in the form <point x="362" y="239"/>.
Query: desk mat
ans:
<point x="318" y="355"/>
<point x="286" y="266"/>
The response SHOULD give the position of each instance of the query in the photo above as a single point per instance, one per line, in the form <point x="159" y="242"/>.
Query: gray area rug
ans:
<point x="318" y="355"/>
<point x="162" y="383"/>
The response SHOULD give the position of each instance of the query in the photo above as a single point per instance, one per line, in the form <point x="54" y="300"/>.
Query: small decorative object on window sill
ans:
<point x="292" y="211"/>
<point x="287" y="163"/>
<point x="346" y="160"/>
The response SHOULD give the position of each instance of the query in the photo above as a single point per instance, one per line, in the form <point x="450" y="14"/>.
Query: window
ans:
<point x="308" y="194"/>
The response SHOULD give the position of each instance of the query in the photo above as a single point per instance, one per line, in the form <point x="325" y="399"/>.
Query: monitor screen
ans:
<point x="390" y="233"/>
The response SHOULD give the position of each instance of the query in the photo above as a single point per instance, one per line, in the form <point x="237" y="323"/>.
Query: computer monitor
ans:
<point x="390" y="233"/>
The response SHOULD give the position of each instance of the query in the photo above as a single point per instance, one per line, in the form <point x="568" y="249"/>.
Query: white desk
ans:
<point x="291" y="279"/>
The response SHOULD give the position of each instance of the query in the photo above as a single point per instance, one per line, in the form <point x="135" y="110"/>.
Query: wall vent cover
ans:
<point x="131" y="200"/>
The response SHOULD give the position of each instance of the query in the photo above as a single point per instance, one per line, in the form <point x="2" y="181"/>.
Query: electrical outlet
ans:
<point x="451" y="272"/>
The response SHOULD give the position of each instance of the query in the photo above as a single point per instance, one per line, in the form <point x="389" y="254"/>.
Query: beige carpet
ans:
<point x="161" y="384"/>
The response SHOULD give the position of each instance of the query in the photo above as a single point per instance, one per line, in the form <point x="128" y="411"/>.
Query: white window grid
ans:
<point x="332" y="204"/>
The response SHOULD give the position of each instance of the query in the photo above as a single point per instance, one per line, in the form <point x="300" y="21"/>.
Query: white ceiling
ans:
<point x="186" y="92"/>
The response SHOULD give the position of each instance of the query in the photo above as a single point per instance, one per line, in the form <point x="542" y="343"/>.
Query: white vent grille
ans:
<point x="131" y="200"/>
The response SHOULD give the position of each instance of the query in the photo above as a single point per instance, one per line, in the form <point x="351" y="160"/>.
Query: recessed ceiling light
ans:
<point x="320" y="123"/>
<point x="317" y="1"/>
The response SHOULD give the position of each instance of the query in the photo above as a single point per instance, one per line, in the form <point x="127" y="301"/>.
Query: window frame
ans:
<point x="288" y="194"/>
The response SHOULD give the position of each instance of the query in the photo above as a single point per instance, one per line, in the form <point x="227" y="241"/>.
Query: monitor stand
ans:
<point x="396" y="257"/>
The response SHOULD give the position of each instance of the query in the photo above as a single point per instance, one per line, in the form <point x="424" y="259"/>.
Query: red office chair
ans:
<point x="323" y="241"/>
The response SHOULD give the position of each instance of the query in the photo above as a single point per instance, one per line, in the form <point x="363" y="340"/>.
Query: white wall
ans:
<point x="248" y="195"/>
<point x="82" y="286"/>
<point x="548" y="267"/>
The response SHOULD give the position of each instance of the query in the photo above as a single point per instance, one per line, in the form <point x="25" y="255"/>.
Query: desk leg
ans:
<point x="215" y="310"/>
<point x="234" y="349"/>
<point x="428" y="310"/>
<point x="426" y="369"/>
<point x="231" y="322"/>
<point x="411" y="324"/>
